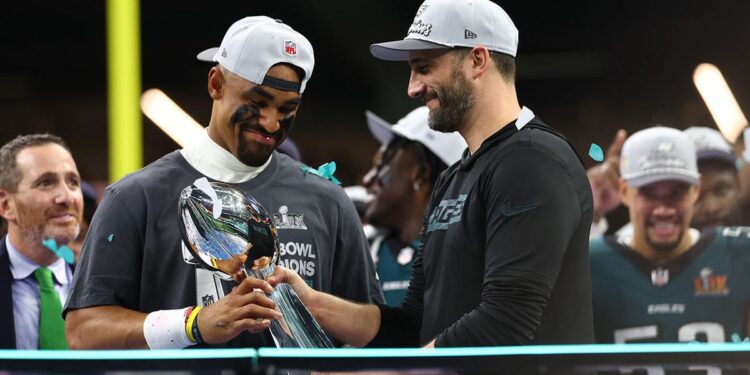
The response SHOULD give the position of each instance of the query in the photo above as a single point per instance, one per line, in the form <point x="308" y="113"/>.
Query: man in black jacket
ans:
<point x="503" y="258"/>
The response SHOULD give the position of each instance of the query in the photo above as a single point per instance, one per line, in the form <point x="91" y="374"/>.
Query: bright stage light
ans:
<point x="168" y="116"/>
<point x="720" y="101"/>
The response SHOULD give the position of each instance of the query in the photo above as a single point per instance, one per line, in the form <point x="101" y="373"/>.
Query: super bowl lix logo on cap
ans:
<point x="662" y="156"/>
<point x="290" y="48"/>
<point x="665" y="147"/>
<point x="417" y="27"/>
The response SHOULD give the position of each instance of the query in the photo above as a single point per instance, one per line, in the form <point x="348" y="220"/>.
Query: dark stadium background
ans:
<point x="586" y="67"/>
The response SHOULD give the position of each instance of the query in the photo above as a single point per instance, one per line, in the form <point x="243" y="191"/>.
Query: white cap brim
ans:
<point x="208" y="55"/>
<point x="399" y="50"/>
<point x="659" y="175"/>
<point x="379" y="128"/>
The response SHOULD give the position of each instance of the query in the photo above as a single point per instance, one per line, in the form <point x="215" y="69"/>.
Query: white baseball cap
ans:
<point x="710" y="144"/>
<point x="253" y="45"/>
<point x="454" y="23"/>
<point x="658" y="154"/>
<point x="447" y="146"/>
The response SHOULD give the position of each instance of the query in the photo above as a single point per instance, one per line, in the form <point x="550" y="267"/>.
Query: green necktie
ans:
<point x="51" y="324"/>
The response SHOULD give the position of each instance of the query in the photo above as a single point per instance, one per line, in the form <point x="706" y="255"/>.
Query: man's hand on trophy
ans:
<point x="285" y="275"/>
<point x="246" y="308"/>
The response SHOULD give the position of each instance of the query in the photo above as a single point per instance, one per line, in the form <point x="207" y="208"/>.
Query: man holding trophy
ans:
<point x="138" y="286"/>
<point x="503" y="255"/>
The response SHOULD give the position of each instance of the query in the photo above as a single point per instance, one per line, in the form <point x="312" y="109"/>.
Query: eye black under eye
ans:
<point x="244" y="113"/>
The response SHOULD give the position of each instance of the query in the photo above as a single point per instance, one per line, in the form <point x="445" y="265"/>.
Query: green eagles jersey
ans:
<point x="702" y="295"/>
<point x="394" y="265"/>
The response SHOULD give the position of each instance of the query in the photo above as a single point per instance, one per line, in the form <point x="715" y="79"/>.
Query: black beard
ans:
<point x="256" y="154"/>
<point x="253" y="155"/>
<point x="456" y="99"/>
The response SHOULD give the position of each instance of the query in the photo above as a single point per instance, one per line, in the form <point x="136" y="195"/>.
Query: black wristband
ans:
<point x="196" y="332"/>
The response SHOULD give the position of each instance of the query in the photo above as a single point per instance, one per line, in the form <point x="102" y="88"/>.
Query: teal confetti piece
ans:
<point x="596" y="152"/>
<point x="737" y="339"/>
<point x="51" y="244"/>
<point x="109" y="238"/>
<point x="66" y="253"/>
<point x="325" y="171"/>
<point x="62" y="251"/>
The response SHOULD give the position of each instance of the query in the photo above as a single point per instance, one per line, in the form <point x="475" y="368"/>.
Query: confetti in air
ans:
<point x="596" y="152"/>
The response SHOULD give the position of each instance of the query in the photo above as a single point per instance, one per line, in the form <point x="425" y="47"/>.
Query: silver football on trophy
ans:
<point x="229" y="231"/>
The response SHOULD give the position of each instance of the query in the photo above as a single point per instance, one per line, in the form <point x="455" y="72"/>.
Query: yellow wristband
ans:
<point x="189" y="323"/>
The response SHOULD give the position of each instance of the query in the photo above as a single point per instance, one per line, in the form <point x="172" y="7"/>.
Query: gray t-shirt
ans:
<point x="133" y="254"/>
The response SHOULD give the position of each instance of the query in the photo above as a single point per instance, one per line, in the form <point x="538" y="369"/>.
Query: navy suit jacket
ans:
<point x="7" y="327"/>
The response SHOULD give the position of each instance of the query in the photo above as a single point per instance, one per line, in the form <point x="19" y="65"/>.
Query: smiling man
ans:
<point x="400" y="182"/>
<point x="668" y="282"/>
<point x="718" y="202"/>
<point x="134" y="289"/>
<point x="41" y="199"/>
<point x="503" y="255"/>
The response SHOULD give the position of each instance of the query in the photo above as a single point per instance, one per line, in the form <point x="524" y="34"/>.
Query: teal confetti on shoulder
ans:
<point x="596" y="152"/>
<point x="324" y="171"/>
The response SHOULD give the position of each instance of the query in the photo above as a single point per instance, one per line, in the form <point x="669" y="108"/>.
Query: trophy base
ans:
<point x="297" y="328"/>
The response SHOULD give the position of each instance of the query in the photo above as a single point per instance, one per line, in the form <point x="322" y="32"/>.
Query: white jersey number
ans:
<point x="714" y="332"/>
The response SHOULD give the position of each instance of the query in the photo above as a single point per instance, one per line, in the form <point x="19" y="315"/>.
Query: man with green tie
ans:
<point x="41" y="199"/>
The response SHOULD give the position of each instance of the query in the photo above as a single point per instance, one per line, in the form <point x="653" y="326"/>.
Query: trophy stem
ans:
<point x="297" y="328"/>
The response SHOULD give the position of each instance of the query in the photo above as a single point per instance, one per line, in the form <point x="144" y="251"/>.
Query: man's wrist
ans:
<point x="312" y="301"/>
<point x="165" y="329"/>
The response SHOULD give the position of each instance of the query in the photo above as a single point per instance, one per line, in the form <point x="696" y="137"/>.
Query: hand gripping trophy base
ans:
<point x="297" y="328"/>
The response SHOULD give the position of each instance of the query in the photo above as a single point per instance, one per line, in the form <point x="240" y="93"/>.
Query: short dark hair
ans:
<point x="429" y="163"/>
<point x="505" y="64"/>
<point x="10" y="176"/>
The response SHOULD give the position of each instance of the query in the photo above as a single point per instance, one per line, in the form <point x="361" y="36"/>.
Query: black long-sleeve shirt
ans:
<point x="504" y="253"/>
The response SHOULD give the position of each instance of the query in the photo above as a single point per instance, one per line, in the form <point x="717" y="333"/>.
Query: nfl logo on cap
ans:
<point x="290" y="48"/>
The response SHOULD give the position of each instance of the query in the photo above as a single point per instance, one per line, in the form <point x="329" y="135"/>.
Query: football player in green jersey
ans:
<point x="718" y="203"/>
<point x="667" y="282"/>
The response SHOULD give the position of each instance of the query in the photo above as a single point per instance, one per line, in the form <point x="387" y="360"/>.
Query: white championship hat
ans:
<point x="253" y="45"/>
<point x="454" y="23"/>
<point x="658" y="154"/>
<point x="447" y="146"/>
<point x="710" y="144"/>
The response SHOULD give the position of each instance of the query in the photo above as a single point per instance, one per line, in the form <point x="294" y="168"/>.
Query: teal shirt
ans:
<point x="702" y="295"/>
